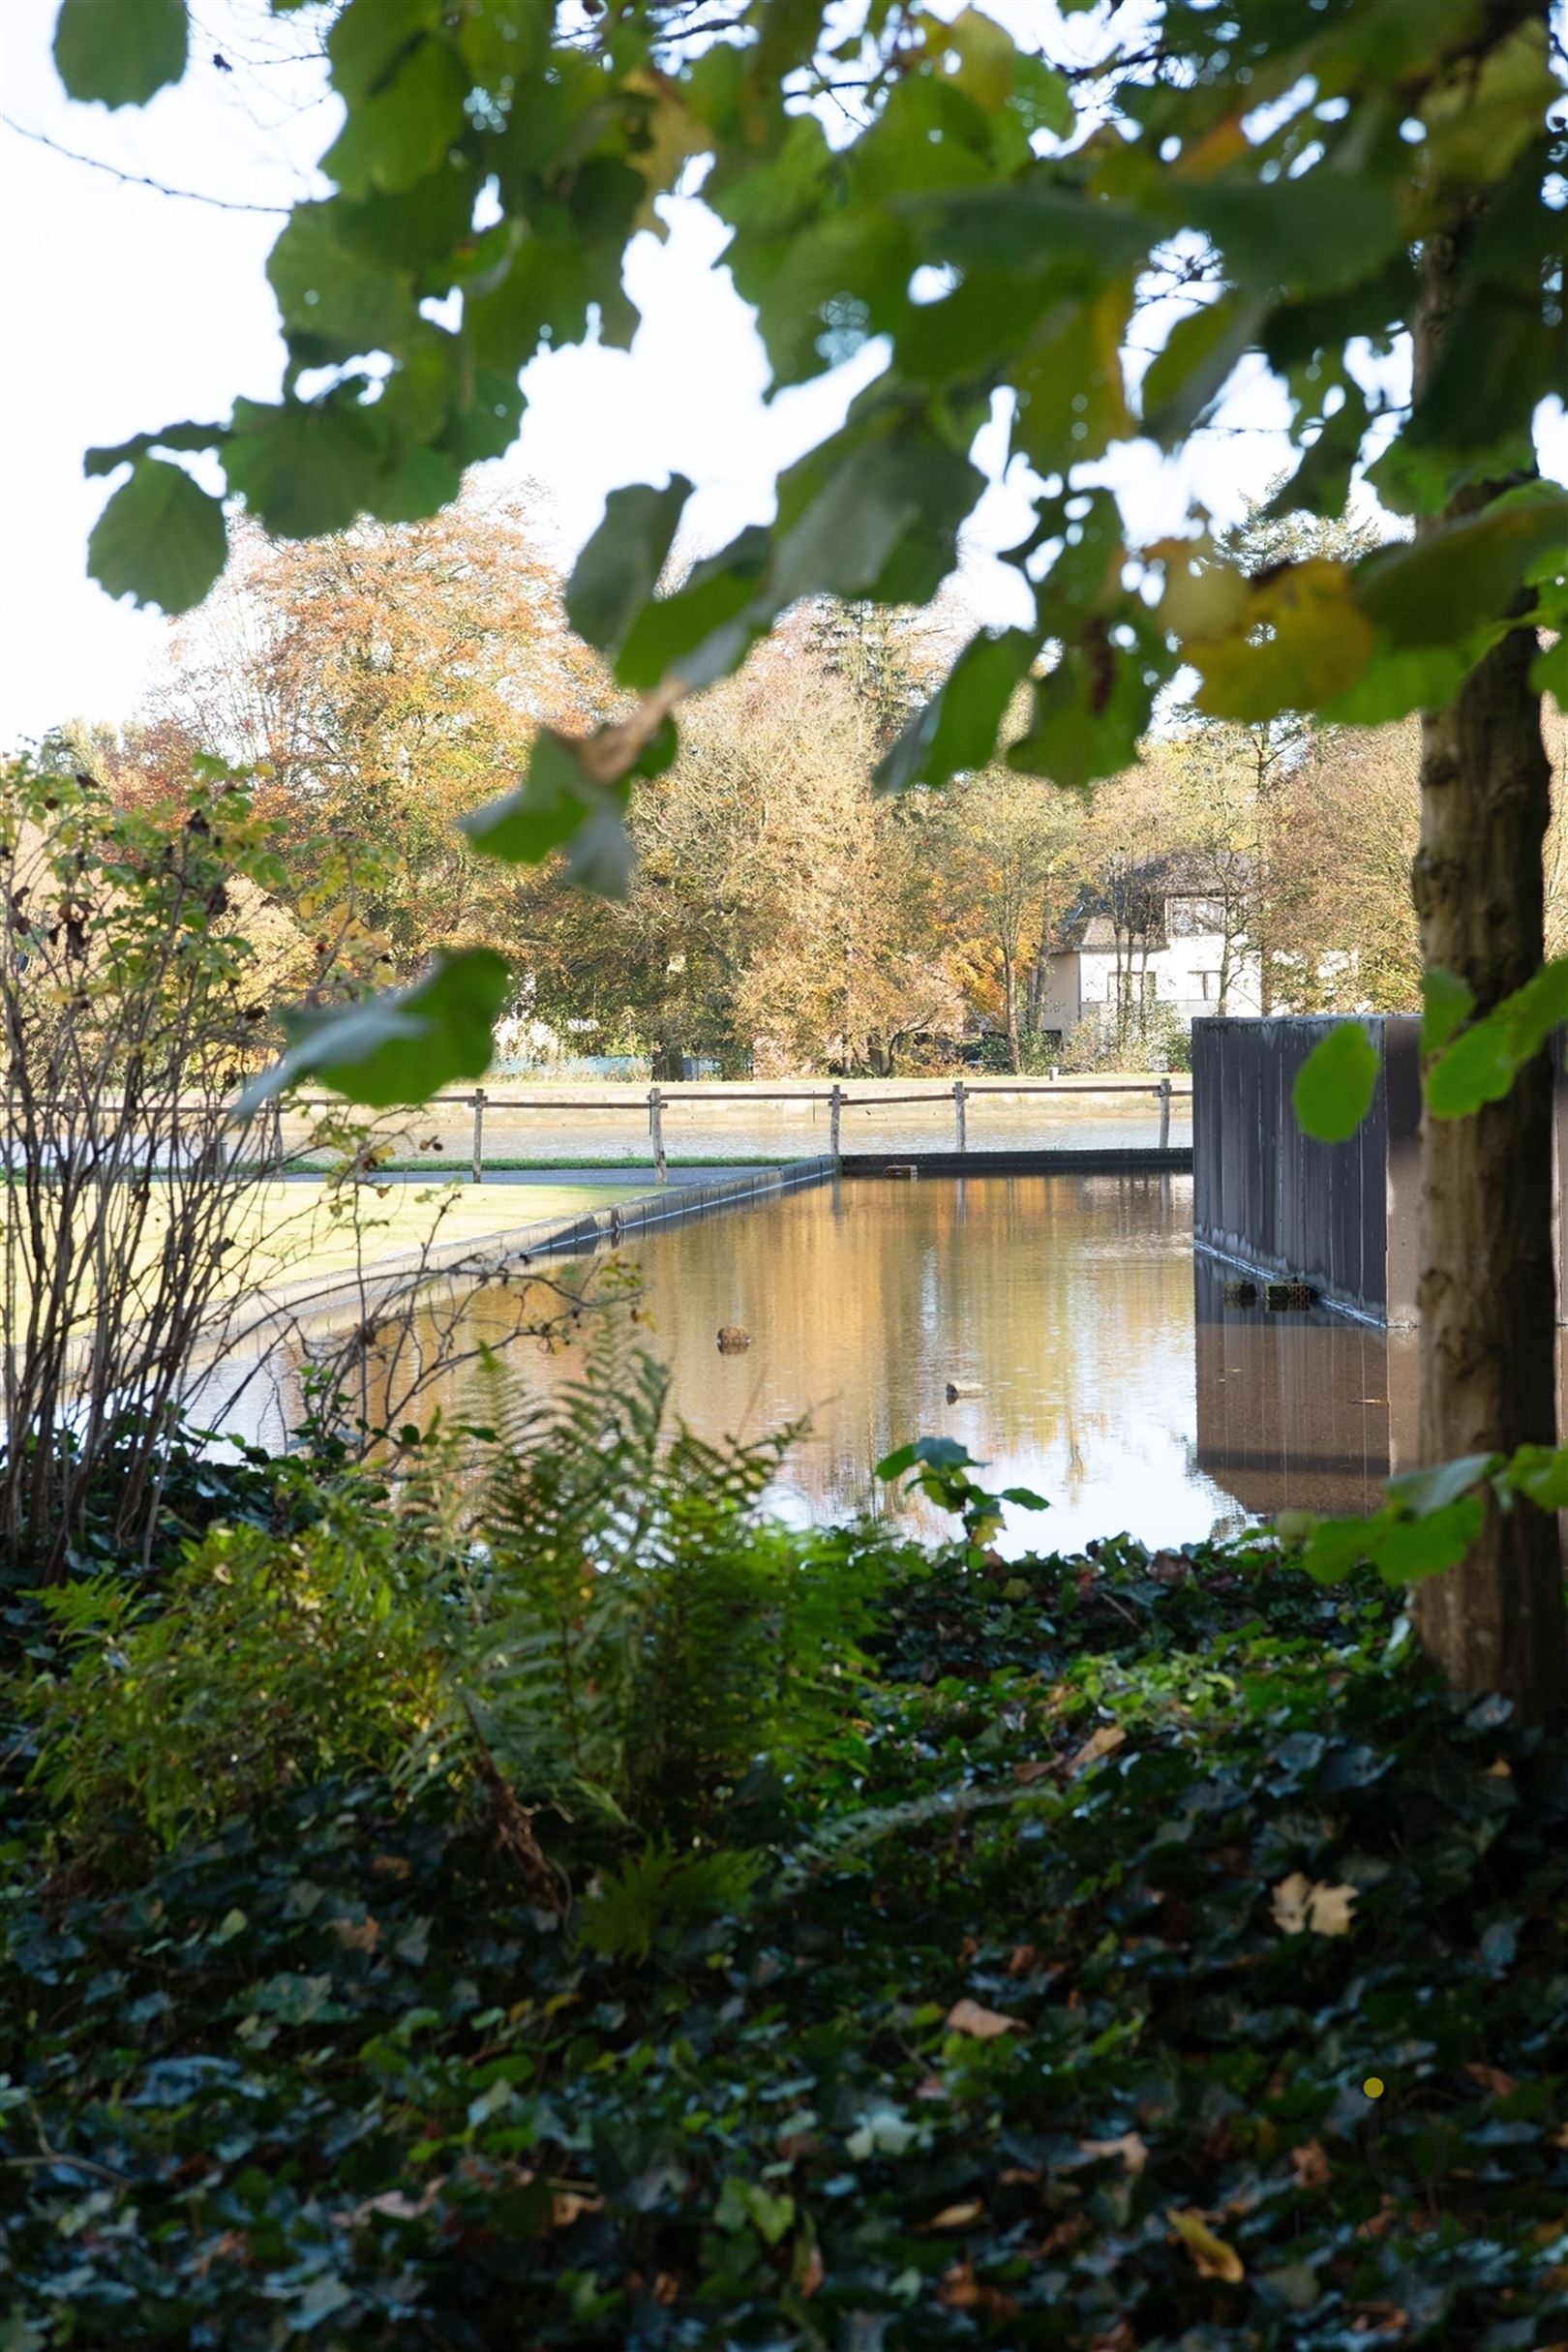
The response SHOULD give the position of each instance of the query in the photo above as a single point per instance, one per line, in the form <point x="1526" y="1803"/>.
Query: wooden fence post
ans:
<point x="656" y="1122"/>
<point x="478" y="1134"/>
<point x="1164" y="1114"/>
<point x="835" y="1104"/>
<point x="959" y="1113"/>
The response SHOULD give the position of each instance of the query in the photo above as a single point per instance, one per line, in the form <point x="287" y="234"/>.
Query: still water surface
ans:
<point x="1114" y="1380"/>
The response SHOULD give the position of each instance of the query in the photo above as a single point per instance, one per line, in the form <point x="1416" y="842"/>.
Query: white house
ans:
<point x="1162" y="939"/>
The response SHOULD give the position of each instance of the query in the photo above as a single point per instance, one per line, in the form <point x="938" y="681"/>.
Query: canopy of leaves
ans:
<point x="1288" y="164"/>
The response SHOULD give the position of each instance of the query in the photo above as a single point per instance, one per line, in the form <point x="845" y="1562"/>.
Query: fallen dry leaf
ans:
<point x="362" y="1936"/>
<point x="1132" y="2147"/>
<point x="1501" y="1770"/>
<point x="957" y="2216"/>
<point x="967" y="2017"/>
<point x="666" y="2289"/>
<point x="1212" y="2257"/>
<point x="932" y="2086"/>
<point x="1120" y="2339"/>
<point x="1490" y="2078"/>
<point x="1021" y="1959"/>
<point x="961" y="2291"/>
<point x="566" y="2205"/>
<point x="813" y="2271"/>
<point x="1301" y="1902"/>
<point x="1026" y="1774"/>
<point x="1312" y="2166"/>
<point x="1102" y="1742"/>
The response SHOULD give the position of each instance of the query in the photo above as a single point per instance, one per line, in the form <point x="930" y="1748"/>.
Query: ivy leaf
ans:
<point x="618" y="569"/>
<point x="120" y="52"/>
<point x="160" y="539"/>
<point x="1335" y="1085"/>
<point x="400" y="1048"/>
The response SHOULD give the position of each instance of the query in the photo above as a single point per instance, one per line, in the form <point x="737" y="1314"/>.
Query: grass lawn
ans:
<point x="295" y="1231"/>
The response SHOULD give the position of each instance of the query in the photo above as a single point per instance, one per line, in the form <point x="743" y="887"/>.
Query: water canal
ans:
<point x="1111" y="1377"/>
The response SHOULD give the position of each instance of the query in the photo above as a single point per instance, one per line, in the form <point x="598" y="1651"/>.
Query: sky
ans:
<point x="127" y="309"/>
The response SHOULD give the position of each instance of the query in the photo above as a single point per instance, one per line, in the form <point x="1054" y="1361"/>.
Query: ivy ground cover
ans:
<point x="1149" y="1958"/>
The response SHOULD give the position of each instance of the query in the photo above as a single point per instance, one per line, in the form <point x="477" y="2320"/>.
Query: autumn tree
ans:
<point x="388" y="679"/>
<point x="1007" y="858"/>
<point x="774" y="904"/>
<point x="1296" y="190"/>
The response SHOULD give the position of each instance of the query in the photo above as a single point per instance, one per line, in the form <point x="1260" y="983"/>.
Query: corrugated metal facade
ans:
<point x="1339" y="1216"/>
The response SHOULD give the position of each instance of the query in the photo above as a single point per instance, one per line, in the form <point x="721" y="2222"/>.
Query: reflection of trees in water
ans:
<point x="1067" y="1298"/>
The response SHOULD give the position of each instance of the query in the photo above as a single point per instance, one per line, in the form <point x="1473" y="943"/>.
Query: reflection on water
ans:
<point x="1113" y="1379"/>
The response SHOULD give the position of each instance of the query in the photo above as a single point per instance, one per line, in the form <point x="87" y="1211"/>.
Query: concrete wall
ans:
<point x="1339" y="1215"/>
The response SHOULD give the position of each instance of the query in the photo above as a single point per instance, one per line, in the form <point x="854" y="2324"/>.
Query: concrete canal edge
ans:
<point x="479" y="1260"/>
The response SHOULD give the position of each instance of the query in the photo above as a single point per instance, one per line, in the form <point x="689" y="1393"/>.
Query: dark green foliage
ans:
<point x="331" y="2070"/>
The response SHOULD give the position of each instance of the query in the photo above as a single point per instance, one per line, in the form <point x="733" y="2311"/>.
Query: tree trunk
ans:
<point x="1487" y="1292"/>
<point x="1009" y="1000"/>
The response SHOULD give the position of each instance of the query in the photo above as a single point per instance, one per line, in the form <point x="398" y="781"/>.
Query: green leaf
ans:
<point x="160" y="539"/>
<point x="1334" y="1547"/>
<point x="1092" y="710"/>
<point x="1484" y="1061"/>
<point x="120" y="51"/>
<point x="188" y="435"/>
<point x="1436" y="591"/>
<point x="957" y="729"/>
<point x="710" y="601"/>
<point x="1419" y="1547"/>
<point x="325" y="290"/>
<point x="1540" y="1473"/>
<point x="1194" y="364"/>
<point x="303" y="469"/>
<point x="618" y="569"/>
<point x="1335" y="1085"/>
<point x="400" y="1048"/>
<point x="1447" y="1002"/>
<point x="522" y="826"/>
<point x="1306" y="236"/>
<point x="399" y="131"/>
<point x="1420" y="1493"/>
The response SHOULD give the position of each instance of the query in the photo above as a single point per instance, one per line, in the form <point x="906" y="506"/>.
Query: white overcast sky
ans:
<point x="125" y="310"/>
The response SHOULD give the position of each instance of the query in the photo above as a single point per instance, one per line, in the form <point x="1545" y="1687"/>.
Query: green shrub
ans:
<point x="267" y="1661"/>
<point x="614" y="1624"/>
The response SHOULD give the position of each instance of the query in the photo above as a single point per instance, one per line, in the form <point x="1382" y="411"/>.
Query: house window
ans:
<point x="1208" y="985"/>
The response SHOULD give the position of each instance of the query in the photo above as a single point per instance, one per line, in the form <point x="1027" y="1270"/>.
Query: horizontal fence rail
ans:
<point x="658" y="1101"/>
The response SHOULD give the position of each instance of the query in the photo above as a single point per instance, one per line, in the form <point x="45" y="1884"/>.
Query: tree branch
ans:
<point x="137" y="179"/>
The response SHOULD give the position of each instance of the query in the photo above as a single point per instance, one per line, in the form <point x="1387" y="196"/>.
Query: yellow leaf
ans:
<point x="967" y="2017"/>
<point x="1212" y="2257"/>
<point x="1301" y="1902"/>
<point x="1299" y="640"/>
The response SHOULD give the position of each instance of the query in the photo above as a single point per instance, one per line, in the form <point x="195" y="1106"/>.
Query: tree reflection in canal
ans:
<point x="1112" y="1378"/>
